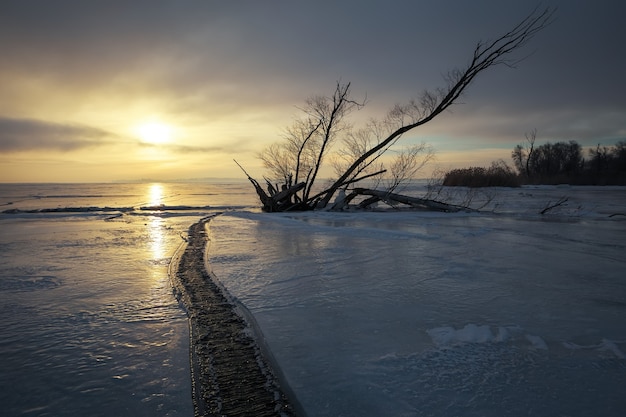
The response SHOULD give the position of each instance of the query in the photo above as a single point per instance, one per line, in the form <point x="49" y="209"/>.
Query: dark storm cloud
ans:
<point x="90" y="40"/>
<point x="28" y="134"/>
<point x="393" y="45"/>
<point x="387" y="41"/>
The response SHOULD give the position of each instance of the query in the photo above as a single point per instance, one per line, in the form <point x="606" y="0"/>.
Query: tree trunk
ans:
<point x="414" y="202"/>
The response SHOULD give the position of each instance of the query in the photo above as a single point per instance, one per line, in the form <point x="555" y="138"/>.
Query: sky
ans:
<point x="81" y="82"/>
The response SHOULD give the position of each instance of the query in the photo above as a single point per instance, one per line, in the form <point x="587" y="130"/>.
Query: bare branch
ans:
<point x="310" y="140"/>
<point x="551" y="205"/>
<point x="485" y="56"/>
<point x="407" y="164"/>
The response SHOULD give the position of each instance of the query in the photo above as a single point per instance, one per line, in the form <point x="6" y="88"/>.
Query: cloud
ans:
<point x="184" y="149"/>
<point x="233" y="73"/>
<point x="208" y="52"/>
<point x="28" y="134"/>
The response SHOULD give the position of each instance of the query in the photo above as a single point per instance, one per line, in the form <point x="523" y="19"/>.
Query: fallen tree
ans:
<point x="415" y="202"/>
<point x="296" y="162"/>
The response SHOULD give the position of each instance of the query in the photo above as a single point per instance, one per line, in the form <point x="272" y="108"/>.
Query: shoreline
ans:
<point x="229" y="373"/>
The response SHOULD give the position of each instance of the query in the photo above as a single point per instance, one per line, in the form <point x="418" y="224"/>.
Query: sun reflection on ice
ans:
<point x="155" y="195"/>
<point x="156" y="226"/>
<point x="156" y="231"/>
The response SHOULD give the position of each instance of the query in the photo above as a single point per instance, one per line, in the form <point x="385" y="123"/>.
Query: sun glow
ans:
<point x="154" y="132"/>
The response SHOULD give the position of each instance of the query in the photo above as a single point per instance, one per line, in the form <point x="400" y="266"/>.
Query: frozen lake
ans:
<point x="506" y="312"/>
<point x="405" y="313"/>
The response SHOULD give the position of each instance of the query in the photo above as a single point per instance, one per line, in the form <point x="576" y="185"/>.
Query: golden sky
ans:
<point x="161" y="90"/>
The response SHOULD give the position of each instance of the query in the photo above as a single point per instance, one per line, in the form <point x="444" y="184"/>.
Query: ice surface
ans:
<point x="471" y="333"/>
<point x="89" y="322"/>
<point x="404" y="313"/>
<point x="89" y="325"/>
<point x="368" y="314"/>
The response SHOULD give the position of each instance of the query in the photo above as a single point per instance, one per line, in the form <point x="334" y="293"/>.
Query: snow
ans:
<point x="506" y="312"/>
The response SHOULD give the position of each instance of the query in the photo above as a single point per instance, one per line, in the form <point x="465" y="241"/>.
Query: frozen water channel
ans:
<point x="392" y="314"/>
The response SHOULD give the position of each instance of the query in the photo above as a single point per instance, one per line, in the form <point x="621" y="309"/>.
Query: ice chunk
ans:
<point x="503" y="334"/>
<point x="611" y="346"/>
<point x="442" y="336"/>
<point x="471" y="333"/>
<point x="537" y="342"/>
<point x="604" y="346"/>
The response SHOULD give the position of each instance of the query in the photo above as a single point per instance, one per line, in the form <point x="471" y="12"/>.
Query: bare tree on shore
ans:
<point x="297" y="161"/>
<point x="522" y="155"/>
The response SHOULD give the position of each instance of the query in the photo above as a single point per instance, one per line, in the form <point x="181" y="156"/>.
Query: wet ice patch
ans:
<point x="475" y="232"/>
<point x="29" y="283"/>
<point x="610" y="346"/>
<point x="477" y="379"/>
<point x="471" y="333"/>
<point x="515" y="336"/>
<point x="605" y="346"/>
<point x="537" y="342"/>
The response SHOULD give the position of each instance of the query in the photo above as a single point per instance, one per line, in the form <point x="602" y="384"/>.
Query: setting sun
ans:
<point x="154" y="132"/>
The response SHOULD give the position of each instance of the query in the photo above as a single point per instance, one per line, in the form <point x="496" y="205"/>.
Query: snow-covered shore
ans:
<point x="413" y="313"/>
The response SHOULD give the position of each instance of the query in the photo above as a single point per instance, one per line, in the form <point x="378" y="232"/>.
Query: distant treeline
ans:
<point x="551" y="163"/>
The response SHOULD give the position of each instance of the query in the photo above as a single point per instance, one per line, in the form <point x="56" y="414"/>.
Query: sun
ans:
<point x="154" y="132"/>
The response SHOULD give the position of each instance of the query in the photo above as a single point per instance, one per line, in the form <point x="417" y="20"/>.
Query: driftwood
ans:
<point x="551" y="205"/>
<point x="284" y="200"/>
<point x="287" y="199"/>
<point x="280" y="201"/>
<point x="414" y="202"/>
